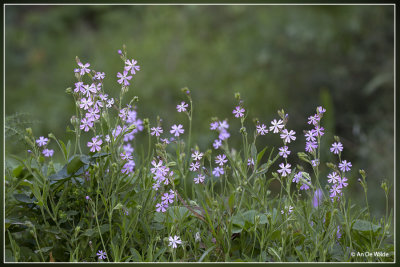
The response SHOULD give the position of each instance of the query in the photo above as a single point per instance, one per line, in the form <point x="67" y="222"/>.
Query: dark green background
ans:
<point x="291" y="57"/>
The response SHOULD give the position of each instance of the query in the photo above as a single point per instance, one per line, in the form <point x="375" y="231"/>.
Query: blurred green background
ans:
<point x="290" y="57"/>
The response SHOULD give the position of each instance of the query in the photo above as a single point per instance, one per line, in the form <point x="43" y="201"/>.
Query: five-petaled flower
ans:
<point x="177" y="130"/>
<point x="276" y="126"/>
<point x="285" y="169"/>
<point x="196" y="155"/>
<point x="261" y="129"/>
<point x="102" y="255"/>
<point x="48" y="152"/>
<point x="182" y="107"/>
<point x="218" y="171"/>
<point x="288" y="136"/>
<point x="42" y="141"/>
<point x="238" y="111"/>
<point x="174" y="241"/>
<point x="156" y="131"/>
<point x="221" y="160"/>
<point x="199" y="179"/>
<point x="337" y="148"/>
<point x="131" y="65"/>
<point x="284" y="151"/>
<point x="345" y="166"/>
<point x="95" y="144"/>
<point x="124" y="78"/>
<point x="84" y="68"/>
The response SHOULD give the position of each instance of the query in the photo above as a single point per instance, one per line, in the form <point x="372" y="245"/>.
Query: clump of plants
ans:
<point x="106" y="200"/>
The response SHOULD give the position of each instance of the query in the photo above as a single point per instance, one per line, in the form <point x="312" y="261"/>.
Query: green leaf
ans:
<point x="365" y="226"/>
<point x="274" y="253"/>
<point x="45" y="249"/>
<point x="135" y="255"/>
<point x="64" y="149"/>
<point x="261" y="154"/>
<point x="23" y="198"/>
<point x="206" y="253"/>
<point x="253" y="151"/>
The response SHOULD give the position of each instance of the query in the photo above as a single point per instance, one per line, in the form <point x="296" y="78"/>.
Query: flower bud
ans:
<point x="237" y="96"/>
<point x="68" y="90"/>
<point x="29" y="131"/>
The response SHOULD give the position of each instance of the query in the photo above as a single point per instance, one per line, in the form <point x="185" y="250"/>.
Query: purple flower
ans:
<point x="199" y="179"/>
<point x="221" y="160"/>
<point x="85" y="104"/>
<point x="102" y="255"/>
<point x="128" y="167"/>
<point x="95" y="144"/>
<point x="79" y="87"/>
<point x="48" y="152"/>
<point x="123" y="78"/>
<point x="156" y="131"/>
<point x="174" y="241"/>
<point x="335" y="190"/>
<point x="317" y="199"/>
<point x="126" y="156"/>
<point x="168" y="198"/>
<point x="311" y="146"/>
<point x="310" y="136"/>
<point x="338" y="234"/>
<point x="177" y="130"/>
<point x="284" y="152"/>
<point x="314" y="119"/>
<point x="161" y="207"/>
<point x="218" y="171"/>
<point x="223" y="125"/>
<point x="86" y="124"/>
<point x="344" y="166"/>
<point x="337" y="148"/>
<point x="342" y="182"/>
<point x="128" y="148"/>
<point x="217" y="144"/>
<point x="224" y="135"/>
<point x="157" y="166"/>
<point x="287" y="209"/>
<point x="239" y="112"/>
<point x="319" y="130"/>
<point x="87" y="197"/>
<point x="297" y="177"/>
<point x="131" y="65"/>
<point x="110" y="102"/>
<point x="214" y="125"/>
<point x="42" y="141"/>
<point x="276" y="126"/>
<point x="250" y="162"/>
<point x="315" y="162"/>
<point x="321" y="110"/>
<point x="285" y="169"/>
<point x="89" y="89"/>
<point x="100" y="75"/>
<point x="333" y="178"/>
<point x="196" y="155"/>
<point x="261" y="129"/>
<point x="84" y="68"/>
<point x="92" y="114"/>
<point x="194" y="166"/>
<point x="103" y="97"/>
<point x="304" y="187"/>
<point x="119" y="52"/>
<point x="182" y="107"/>
<point x="288" y="136"/>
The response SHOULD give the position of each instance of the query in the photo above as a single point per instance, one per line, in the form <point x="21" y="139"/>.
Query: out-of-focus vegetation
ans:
<point x="291" y="57"/>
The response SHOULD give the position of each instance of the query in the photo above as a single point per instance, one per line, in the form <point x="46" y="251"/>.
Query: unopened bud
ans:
<point x="237" y="96"/>
<point x="68" y="90"/>
<point x="29" y="131"/>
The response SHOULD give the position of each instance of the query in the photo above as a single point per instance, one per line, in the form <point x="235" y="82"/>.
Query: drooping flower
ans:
<point x="317" y="199"/>
<point x="174" y="241"/>
<point x="177" y="130"/>
<point x="250" y="162"/>
<point x="182" y="107"/>
<point x="337" y="148"/>
<point x="297" y="177"/>
<point x="285" y="169"/>
<point x="42" y="141"/>
<point x="288" y="209"/>
<point x="315" y="162"/>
